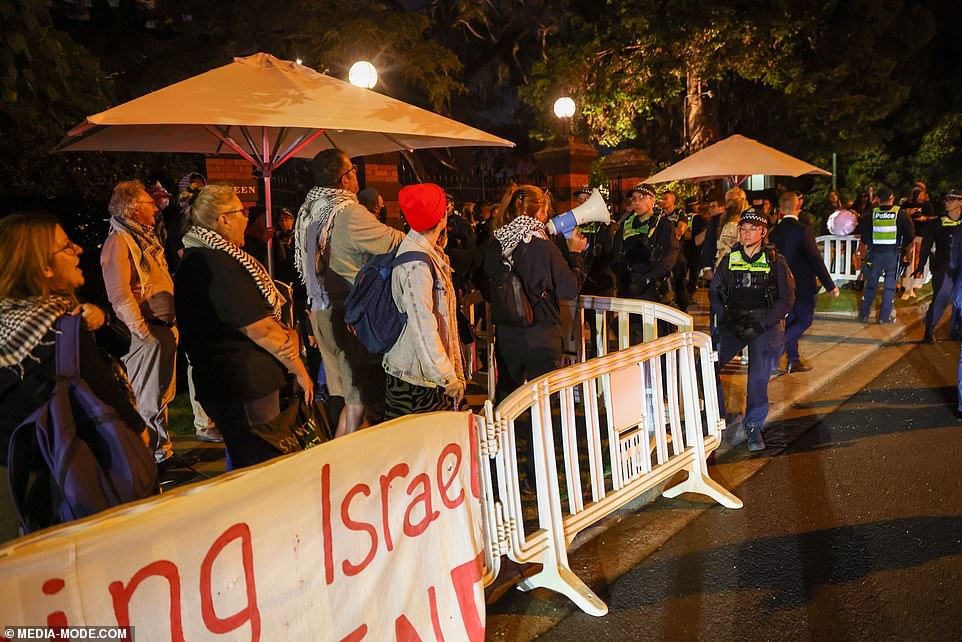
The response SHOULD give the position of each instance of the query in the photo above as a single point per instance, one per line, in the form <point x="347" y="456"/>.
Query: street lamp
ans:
<point x="564" y="107"/>
<point x="363" y="74"/>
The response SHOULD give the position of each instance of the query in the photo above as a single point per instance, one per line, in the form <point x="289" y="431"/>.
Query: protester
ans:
<point x="230" y="311"/>
<point x="752" y="292"/>
<point x="41" y="272"/>
<point x="141" y="292"/>
<point x="548" y="273"/>
<point x="335" y="235"/>
<point x="283" y="248"/>
<point x="424" y="369"/>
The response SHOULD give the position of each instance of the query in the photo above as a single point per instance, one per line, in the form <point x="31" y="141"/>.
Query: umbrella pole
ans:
<point x="266" y="170"/>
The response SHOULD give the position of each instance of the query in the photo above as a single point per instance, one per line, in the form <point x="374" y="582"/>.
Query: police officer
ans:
<point x="940" y="234"/>
<point x="679" y="273"/>
<point x="645" y="249"/>
<point x="882" y="234"/>
<point x="753" y="290"/>
<point x="601" y="280"/>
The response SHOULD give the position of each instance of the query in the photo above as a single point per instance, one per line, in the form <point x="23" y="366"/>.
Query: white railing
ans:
<point x="840" y="254"/>
<point x="612" y="320"/>
<point x="644" y="414"/>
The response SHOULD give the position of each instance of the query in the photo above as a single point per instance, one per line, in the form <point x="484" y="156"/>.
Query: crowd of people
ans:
<point x="199" y="279"/>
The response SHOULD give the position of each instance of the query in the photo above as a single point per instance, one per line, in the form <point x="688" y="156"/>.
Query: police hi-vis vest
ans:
<point x="885" y="225"/>
<point x="948" y="222"/>
<point x="752" y="285"/>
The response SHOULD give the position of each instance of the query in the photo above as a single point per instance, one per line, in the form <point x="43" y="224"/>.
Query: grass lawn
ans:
<point x="848" y="300"/>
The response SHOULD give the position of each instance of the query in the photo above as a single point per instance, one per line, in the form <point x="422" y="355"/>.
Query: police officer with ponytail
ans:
<point x="753" y="290"/>
<point x="882" y="234"/>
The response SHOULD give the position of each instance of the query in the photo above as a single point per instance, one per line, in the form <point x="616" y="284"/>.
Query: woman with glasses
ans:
<point x="229" y="311"/>
<point x="141" y="292"/>
<point x="41" y="273"/>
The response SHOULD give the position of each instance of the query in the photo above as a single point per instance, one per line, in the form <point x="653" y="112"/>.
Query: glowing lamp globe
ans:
<point x="564" y="107"/>
<point x="363" y="74"/>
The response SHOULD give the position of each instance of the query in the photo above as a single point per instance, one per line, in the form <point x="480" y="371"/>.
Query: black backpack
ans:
<point x="510" y="303"/>
<point x="74" y="456"/>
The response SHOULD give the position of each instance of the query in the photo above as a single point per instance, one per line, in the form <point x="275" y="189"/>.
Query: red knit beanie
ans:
<point x="423" y="205"/>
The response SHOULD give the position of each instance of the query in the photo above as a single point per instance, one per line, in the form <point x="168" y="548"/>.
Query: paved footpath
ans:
<point x="854" y="532"/>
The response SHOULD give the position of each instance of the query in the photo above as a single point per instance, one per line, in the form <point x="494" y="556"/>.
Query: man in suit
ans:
<point x="796" y="242"/>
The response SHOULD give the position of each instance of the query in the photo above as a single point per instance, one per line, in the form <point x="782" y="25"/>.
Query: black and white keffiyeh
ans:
<point x="25" y="322"/>
<point x="202" y="237"/>
<point x="520" y="230"/>
<point x="146" y="239"/>
<point x="312" y="231"/>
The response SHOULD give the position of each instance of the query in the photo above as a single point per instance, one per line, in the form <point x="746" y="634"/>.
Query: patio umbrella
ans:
<point x="268" y="111"/>
<point x="734" y="157"/>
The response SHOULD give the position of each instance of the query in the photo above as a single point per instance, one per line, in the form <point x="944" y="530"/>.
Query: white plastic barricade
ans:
<point x="375" y="536"/>
<point x="840" y="256"/>
<point x="644" y="414"/>
<point x="611" y="319"/>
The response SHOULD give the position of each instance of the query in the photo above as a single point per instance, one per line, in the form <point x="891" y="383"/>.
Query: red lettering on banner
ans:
<point x="122" y="594"/>
<point x="464" y="577"/>
<point x="326" y="524"/>
<point x="445" y="484"/>
<point x="356" y="634"/>
<point x="404" y="631"/>
<point x="349" y="568"/>
<point x="52" y="587"/>
<point x="214" y="623"/>
<point x="435" y="618"/>
<point x="398" y="470"/>
<point x="413" y="530"/>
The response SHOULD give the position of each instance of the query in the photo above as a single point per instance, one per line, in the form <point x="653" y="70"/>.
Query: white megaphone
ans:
<point x="593" y="210"/>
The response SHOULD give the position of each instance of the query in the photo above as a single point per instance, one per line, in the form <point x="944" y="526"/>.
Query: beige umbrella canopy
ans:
<point x="259" y="99"/>
<point x="269" y="110"/>
<point x="735" y="157"/>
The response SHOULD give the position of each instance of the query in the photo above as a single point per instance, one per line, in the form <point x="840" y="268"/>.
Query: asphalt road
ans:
<point x="854" y="532"/>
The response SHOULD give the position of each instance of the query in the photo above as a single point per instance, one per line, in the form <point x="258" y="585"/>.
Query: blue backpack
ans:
<point x="74" y="456"/>
<point x="370" y="307"/>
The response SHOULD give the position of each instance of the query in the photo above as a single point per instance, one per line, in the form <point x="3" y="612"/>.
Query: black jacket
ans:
<point x="796" y="242"/>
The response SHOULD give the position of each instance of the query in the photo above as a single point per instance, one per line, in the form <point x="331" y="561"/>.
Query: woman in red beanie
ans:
<point x="424" y="368"/>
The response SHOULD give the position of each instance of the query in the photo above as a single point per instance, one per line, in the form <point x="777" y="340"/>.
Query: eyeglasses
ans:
<point x="147" y="202"/>
<point x="70" y="248"/>
<point x="353" y="169"/>
<point x="241" y="211"/>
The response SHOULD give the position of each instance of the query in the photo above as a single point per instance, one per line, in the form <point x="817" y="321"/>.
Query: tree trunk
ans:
<point x="701" y="114"/>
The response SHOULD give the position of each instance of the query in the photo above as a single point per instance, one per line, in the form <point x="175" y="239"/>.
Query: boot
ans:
<point x="929" y="336"/>
<point x="753" y="434"/>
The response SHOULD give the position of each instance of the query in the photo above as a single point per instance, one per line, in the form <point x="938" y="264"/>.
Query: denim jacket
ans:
<point x="428" y="352"/>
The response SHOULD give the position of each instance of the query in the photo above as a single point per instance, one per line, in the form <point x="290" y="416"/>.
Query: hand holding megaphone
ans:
<point x="593" y="210"/>
<point x="577" y="243"/>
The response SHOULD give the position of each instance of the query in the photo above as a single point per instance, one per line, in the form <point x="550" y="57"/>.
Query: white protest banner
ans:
<point x="375" y="536"/>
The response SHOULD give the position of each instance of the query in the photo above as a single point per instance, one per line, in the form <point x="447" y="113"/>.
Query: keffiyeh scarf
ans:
<point x="520" y="230"/>
<point x="202" y="237"/>
<point x="25" y="322"/>
<point x="146" y="239"/>
<point x="312" y="232"/>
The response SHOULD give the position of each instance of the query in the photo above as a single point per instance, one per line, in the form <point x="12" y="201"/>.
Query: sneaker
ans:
<point x="210" y="434"/>
<point x="753" y="434"/>
<point x="799" y="366"/>
<point x="861" y="319"/>
<point x="929" y="338"/>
